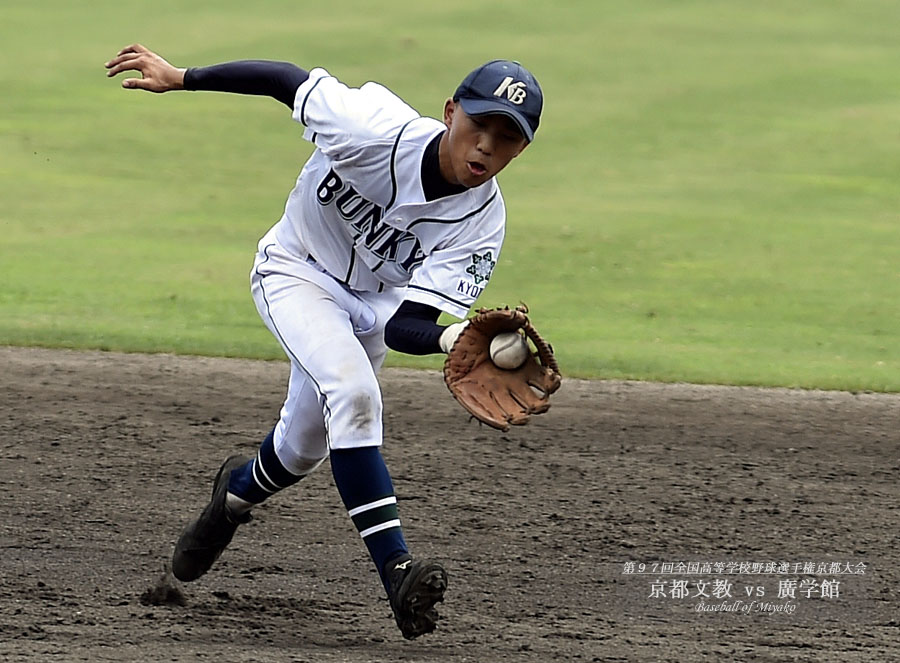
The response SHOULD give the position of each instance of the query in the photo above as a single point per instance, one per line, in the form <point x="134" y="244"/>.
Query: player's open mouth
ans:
<point x="476" y="168"/>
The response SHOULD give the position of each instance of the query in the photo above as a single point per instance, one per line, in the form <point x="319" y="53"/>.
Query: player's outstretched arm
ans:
<point x="278" y="80"/>
<point x="157" y="75"/>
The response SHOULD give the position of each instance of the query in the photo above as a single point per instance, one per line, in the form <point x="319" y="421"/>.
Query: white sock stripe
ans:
<point x="378" y="528"/>
<point x="262" y="470"/>
<point x="260" y="483"/>
<point x="372" y="505"/>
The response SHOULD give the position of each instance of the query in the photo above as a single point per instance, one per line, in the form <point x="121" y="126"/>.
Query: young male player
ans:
<point x="394" y="218"/>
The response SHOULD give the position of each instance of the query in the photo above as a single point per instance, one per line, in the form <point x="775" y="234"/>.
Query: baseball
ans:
<point x="509" y="350"/>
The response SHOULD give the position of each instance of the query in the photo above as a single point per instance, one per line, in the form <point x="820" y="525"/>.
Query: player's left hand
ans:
<point x="157" y="75"/>
<point x="493" y="395"/>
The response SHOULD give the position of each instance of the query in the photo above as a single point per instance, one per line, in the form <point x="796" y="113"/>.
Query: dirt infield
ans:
<point x="737" y="495"/>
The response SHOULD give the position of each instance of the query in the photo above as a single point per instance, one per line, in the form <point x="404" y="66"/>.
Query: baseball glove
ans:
<point x="496" y="396"/>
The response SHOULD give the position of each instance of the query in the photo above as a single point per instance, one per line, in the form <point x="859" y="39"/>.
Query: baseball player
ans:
<point x="394" y="218"/>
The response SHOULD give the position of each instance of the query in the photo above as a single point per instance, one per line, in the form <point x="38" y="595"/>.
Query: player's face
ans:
<point x="477" y="147"/>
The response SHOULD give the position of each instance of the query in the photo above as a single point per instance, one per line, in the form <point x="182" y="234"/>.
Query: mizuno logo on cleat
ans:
<point x="403" y="565"/>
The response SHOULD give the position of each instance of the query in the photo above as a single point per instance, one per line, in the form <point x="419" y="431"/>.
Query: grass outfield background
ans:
<point x="713" y="195"/>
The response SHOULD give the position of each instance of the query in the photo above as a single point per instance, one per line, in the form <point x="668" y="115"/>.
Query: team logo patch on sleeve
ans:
<point x="481" y="267"/>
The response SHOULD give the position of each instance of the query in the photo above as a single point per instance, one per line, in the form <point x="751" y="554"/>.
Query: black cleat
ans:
<point x="201" y="542"/>
<point x="415" y="588"/>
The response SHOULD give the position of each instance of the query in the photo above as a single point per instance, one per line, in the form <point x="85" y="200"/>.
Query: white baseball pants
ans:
<point x="334" y="338"/>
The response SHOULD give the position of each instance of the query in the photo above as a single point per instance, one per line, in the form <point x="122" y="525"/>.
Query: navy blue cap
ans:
<point x="505" y="87"/>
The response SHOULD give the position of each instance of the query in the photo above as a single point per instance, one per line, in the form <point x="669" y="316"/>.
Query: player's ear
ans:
<point x="449" y="109"/>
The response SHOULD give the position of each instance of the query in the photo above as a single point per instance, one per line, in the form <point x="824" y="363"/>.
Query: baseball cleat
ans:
<point x="202" y="541"/>
<point x="415" y="588"/>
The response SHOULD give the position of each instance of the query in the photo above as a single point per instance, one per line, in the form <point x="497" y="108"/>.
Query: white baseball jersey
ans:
<point x="358" y="207"/>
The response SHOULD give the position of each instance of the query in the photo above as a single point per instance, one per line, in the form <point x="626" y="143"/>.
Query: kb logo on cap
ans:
<point x="515" y="92"/>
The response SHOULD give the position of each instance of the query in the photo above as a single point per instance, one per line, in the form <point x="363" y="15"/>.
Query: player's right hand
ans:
<point x="157" y="74"/>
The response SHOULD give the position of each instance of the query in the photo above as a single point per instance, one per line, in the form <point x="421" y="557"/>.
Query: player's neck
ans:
<point x="446" y="166"/>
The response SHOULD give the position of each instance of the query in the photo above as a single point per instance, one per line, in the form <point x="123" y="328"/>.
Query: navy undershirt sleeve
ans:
<point x="261" y="77"/>
<point x="414" y="330"/>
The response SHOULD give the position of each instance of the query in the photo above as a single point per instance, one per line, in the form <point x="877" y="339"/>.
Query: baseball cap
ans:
<point x="505" y="87"/>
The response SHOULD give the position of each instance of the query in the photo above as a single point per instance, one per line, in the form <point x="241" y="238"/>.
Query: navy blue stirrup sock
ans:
<point x="263" y="476"/>
<point x="366" y="489"/>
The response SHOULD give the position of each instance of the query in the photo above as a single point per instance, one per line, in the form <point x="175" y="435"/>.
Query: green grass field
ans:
<point x="713" y="195"/>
